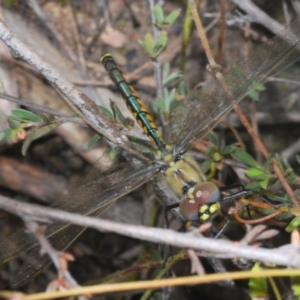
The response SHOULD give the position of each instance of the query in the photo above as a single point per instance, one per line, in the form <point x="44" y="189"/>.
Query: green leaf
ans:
<point x="10" y="118"/>
<point x="246" y="158"/>
<point x="298" y="159"/>
<point x="296" y="285"/>
<point x="166" y="70"/>
<point x="26" y="115"/>
<point x="210" y="150"/>
<point x="182" y="89"/>
<point x="170" y="19"/>
<point x="13" y="124"/>
<point x="227" y="150"/>
<point x="94" y="140"/>
<point x="118" y="113"/>
<point x="256" y="174"/>
<point x="254" y="186"/>
<point x="112" y="154"/>
<point x="205" y="166"/>
<point x="173" y="78"/>
<point x="148" y="44"/>
<point x="161" y="43"/>
<point x="258" y="286"/>
<point x="165" y="103"/>
<point x="260" y="87"/>
<point x="214" y="139"/>
<point x="264" y="183"/>
<point x="5" y="134"/>
<point x="158" y="14"/>
<point x="254" y="95"/>
<point x="107" y="112"/>
<point x="294" y="224"/>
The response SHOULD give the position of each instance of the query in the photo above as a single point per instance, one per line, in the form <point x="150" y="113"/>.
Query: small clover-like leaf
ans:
<point x="158" y="14"/>
<point x="170" y="19"/>
<point x="161" y="43"/>
<point x="148" y="44"/>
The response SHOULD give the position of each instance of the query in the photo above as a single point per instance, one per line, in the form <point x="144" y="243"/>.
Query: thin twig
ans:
<point x="256" y="221"/>
<point x="157" y="63"/>
<point x="202" y="34"/>
<point x="221" y="32"/>
<point x="163" y="236"/>
<point x="154" y="284"/>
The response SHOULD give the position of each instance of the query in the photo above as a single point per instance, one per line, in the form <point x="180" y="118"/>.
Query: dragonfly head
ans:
<point x="201" y="202"/>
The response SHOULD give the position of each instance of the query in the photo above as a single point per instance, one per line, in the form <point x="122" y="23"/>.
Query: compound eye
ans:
<point x="206" y="192"/>
<point x="203" y="194"/>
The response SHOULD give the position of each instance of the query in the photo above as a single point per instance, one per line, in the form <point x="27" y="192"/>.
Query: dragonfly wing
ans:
<point x="34" y="262"/>
<point x="200" y="113"/>
<point x="89" y="199"/>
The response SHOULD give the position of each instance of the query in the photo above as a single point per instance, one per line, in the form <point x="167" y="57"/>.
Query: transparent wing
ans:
<point x="89" y="199"/>
<point x="34" y="261"/>
<point x="201" y="112"/>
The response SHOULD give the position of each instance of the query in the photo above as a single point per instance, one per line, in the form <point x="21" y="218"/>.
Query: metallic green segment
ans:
<point x="133" y="102"/>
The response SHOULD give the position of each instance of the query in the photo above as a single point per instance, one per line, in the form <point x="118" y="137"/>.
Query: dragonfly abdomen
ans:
<point x="133" y="102"/>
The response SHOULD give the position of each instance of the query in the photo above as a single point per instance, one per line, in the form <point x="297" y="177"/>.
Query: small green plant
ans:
<point x="27" y="126"/>
<point x="154" y="47"/>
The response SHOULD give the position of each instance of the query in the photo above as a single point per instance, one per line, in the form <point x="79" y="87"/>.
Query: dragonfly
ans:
<point x="177" y="176"/>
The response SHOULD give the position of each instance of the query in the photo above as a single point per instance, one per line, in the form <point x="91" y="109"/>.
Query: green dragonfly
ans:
<point x="178" y="177"/>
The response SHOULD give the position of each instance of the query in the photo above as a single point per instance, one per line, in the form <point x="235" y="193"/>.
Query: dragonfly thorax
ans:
<point x="182" y="173"/>
<point x="198" y="198"/>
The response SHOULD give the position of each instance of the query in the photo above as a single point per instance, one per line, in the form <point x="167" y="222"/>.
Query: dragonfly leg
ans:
<point x="247" y="193"/>
<point x="223" y="228"/>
